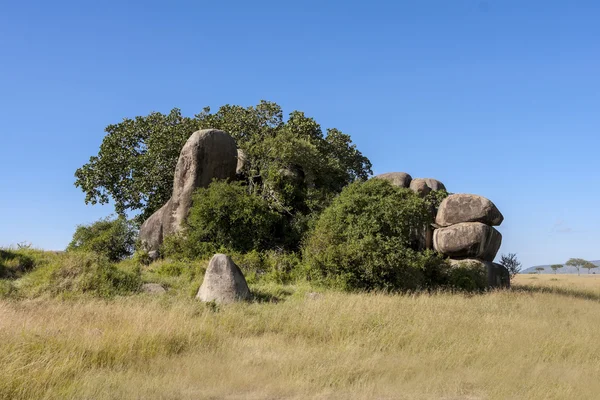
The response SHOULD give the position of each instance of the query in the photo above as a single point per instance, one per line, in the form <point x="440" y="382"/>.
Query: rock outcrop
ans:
<point x="208" y="154"/>
<point x="458" y="208"/>
<point x="468" y="240"/>
<point x="401" y="179"/>
<point x="463" y="230"/>
<point x="223" y="282"/>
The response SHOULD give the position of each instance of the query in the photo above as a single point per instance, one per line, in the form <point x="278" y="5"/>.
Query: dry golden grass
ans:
<point x="527" y="343"/>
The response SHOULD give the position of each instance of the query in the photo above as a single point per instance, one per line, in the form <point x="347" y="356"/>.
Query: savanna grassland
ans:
<point x="535" y="341"/>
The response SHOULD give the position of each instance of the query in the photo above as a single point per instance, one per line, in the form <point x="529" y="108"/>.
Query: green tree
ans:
<point x="589" y="266"/>
<point x="290" y="163"/>
<point x="112" y="238"/>
<point x="539" y="269"/>
<point x="510" y="262"/>
<point x="556" y="267"/>
<point x="365" y="240"/>
<point x="226" y="216"/>
<point x="577" y="263"/>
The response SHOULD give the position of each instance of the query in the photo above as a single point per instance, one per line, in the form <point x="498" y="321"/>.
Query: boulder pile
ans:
<point x="464" y="227"/>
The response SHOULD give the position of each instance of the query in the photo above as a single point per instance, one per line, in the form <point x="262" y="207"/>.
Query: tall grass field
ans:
<point x="538" y="340"/>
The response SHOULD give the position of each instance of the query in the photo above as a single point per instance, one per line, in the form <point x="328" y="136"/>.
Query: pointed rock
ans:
<point x="223" y="282"/>
<point x="208" y="154"/>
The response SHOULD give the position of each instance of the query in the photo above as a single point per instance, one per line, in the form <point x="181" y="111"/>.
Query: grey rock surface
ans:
<point x="223" y="282"/>
<point x="208" y="154"/>
<point x="458" y="208"/>
<point x="468" y="240"/>
<point x="401" y="179"/>
<point x="420" y="187"/>
<point x="434" y="184"/>
<point x="497" y="276"/>
<point x="153" y="288"/>
<point x="241" y="161"/>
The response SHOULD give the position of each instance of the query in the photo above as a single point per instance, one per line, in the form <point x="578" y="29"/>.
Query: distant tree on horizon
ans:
<point x="589" y="266"/>
<point x="556" y="267"/>
<point x="539" y="269"/>
<point x="577" y="263"/>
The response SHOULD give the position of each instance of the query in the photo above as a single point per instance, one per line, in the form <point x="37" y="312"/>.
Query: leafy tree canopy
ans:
<point x="291" y="163"/>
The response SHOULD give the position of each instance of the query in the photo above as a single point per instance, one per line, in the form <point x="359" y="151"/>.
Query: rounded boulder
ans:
<point x="468" y="240"/>
<point x="401" y="179"/>
<point x="223" y="282"/>
<point x="458" y="208"/>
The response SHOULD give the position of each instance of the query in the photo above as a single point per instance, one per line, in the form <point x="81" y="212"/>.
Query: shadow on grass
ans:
<point x="573" y="293"/>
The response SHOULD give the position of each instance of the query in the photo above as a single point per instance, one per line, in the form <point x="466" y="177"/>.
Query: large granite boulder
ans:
<point x="494" y="275"/>
<point x="434" y="184"/>
<point x="468" y="240"/>
<point x="458" y="208"/>
<point x="420" y="187"/>
<point x="208" y="154"/>
<point x="401" y="179"/>
<point x="223" y="282"/>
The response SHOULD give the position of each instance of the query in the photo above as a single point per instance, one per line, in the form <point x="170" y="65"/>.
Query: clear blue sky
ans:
<point x="498" y="98"/>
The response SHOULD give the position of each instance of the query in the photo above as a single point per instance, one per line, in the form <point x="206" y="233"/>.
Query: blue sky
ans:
<point x="498" y="98"/>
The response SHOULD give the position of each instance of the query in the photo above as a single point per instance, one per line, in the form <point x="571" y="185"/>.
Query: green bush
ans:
<point x="365" y="240"/>
<point x="268" y="266"/>
<point x="468" y="276"/>
<point x="225" y="216"/>
<point x="80" y="273"/>
<point x="112" y="238"/>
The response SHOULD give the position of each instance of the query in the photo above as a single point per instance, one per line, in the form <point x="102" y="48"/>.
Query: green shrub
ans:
<point x="80" y="273"/>
<point x="267" y="266"/>
<point x="468" y="276"/>
<point x="225" y="216"/>
<point x="112" y="238"/>
<point x="363" y="240"/>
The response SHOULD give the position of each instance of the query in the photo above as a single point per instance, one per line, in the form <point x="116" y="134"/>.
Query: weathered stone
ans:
<point x="496" y="275"/>
<point x="153" y="288"/>
<point x="223" y="282"/>
<point x="401" y="179"/>
<point x="153" y="255"/>
<point x="468" y="240"/>
<point x="434" y="184"/>
<point x="458" y="208"/>
<point x="208" y="154"/>
<point x="241" y="161"/>
<point x="420" y="187"/>
<point x="151" y="231"/>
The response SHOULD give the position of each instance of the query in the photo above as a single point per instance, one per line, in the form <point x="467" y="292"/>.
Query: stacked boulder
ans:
<point x="466" y="234"/>
<point x="463" y="230"/>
